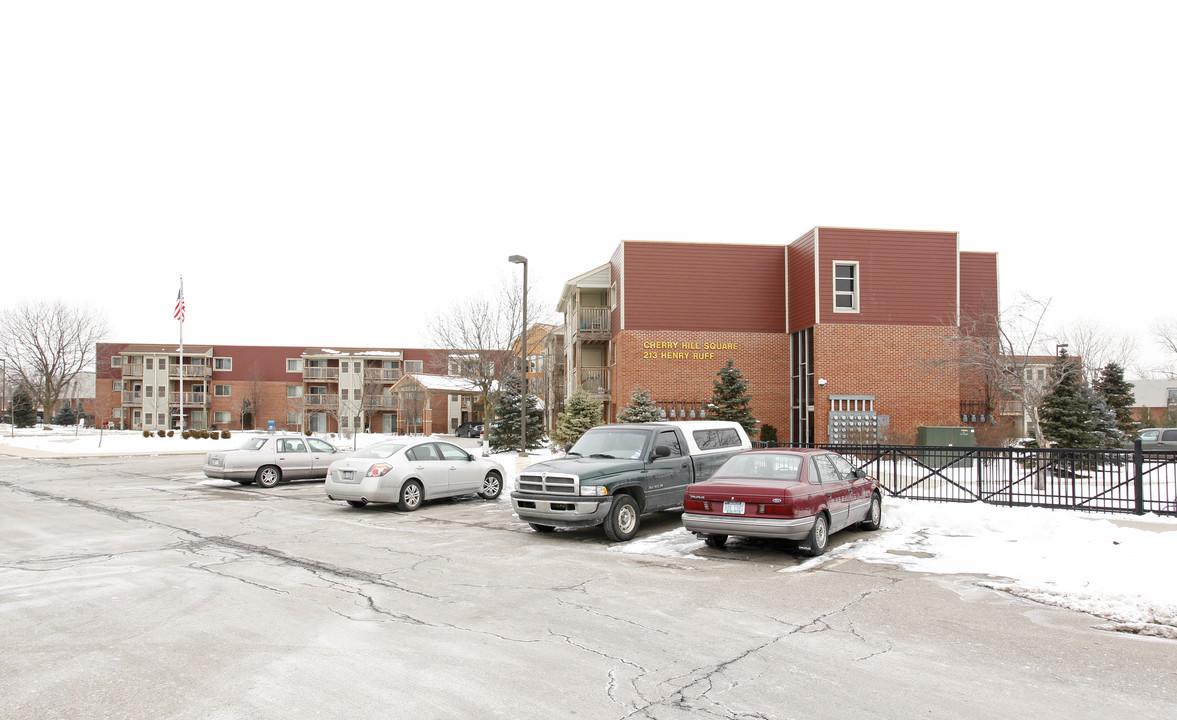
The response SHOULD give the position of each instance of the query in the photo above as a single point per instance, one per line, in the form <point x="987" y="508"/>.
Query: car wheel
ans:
<point x="874" y="516"/>
<point x="542" y="528"/>
<point x="715" y="541"/>
<point x="357" y="503"/>
<point x="268" y="476"/>
<point x="492" y="486"/>
<point x="819" y="536"/>
<point x="622" y="522"/>
<point x="411" y="495"/>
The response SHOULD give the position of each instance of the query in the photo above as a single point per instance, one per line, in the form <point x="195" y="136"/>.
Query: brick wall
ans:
<point x="679" y="365"/>
<point x="896" y="364"/>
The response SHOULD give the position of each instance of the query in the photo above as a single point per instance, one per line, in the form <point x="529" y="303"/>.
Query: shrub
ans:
<point x="215" y="435"/>
<point x="171" y="433"/>
<point x="185" y="434"/>
<point x="204" y="434"/>
<point x="307" y="433"/>
<point x="161" y="433"/>
<point x="225" y="434"/>
<point x="146" y="433"/>
<point x="768" y="433"/>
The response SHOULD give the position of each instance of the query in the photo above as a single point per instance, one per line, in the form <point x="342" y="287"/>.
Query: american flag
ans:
<point x="179" y="312"/>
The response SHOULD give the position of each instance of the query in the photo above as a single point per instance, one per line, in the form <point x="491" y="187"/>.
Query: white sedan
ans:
<point x="408" y="472"/>
<point x="270" y="459"/>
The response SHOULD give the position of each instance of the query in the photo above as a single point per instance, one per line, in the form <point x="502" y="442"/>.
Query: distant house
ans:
<point x="435" y="403"/>
<point x="1156" y="401"/>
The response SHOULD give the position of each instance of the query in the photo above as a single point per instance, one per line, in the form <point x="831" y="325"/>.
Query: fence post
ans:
<point x="1138" y="481"/>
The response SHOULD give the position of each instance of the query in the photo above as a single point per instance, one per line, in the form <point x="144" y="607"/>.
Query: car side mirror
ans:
<point x="662" y="451"/>
<point x="567" y="448"/>
<point x="860" y="473"/>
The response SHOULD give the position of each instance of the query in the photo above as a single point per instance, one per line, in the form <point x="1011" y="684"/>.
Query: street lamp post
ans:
<point x="520" y="260"/>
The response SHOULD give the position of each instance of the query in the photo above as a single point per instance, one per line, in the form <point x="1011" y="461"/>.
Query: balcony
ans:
<point x="320" y="373"/>
<point x="191" y="372"/>
<point x="385" y="375"/>
<point x="132" y="398"/>
<point x="381" y="402"/>
<point x="190" y="399"/>
<point x="133" y="371"/>
<point x="321" y="402"/>
<point x="593" y="324"/>
<point x="594" y="380"/>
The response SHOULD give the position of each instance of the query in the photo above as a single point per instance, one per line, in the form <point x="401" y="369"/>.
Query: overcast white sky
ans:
<point x="348" y="168"/>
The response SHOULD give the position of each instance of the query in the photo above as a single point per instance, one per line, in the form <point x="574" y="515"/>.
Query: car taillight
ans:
<point x="690" y="504"/>
<point x="379" y="470"/>
<point x="776" y="509"/>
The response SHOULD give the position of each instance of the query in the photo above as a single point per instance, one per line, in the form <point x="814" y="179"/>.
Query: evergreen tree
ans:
<point x="65" y="416"/>
<point x="23" y="414"/>
<point x="581" y="412"/>
<point x="1117" y="393"/>
<point x="731" y="400"/>
<point x="1072" y="415"/>
<point x="504" y="429"/>
<point x="640" y="408"/>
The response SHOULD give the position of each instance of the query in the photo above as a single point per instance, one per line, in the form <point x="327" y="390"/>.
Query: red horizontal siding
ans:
<point x="978" y="285"/>
<point x="802" y="304"/>
<point x="696" y="286"/>
<point x="905" y="278"/>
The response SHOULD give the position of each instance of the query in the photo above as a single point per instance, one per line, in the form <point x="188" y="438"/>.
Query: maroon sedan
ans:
<point x="792" y="494"/>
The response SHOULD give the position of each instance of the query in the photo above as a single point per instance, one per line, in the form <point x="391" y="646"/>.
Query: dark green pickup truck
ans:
<point x="616" y="473"/>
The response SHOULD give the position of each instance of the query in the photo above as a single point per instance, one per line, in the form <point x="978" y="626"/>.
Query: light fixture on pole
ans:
<point x="520" y="260"/>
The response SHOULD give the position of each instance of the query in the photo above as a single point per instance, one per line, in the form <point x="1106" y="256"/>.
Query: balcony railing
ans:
<point x="133" y="371"/>
<point x="381" y="402"/>
<point x="320" y="373"/>
<point x="132" y="398"/>
<point x="321" y="401"/>
<point x="198" y="372"/>
<point x="382" y="375"/>
<point x="593" y="320"/>
<point x="594" y="380"/>
<point x="190" y="399"/>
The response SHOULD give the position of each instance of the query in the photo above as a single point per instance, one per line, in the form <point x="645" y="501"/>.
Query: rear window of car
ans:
<point x="380" y="450"/>
<point x="716" y="438"/>
<point x="761" y="465"/>
<point x="1169" y="435"/>
<point x="254" y="444"/>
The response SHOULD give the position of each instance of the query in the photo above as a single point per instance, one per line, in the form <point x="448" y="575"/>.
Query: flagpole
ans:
<point x="180" y="313"/>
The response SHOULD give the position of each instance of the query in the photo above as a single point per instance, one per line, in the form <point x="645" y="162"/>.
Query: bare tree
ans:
<point x="1165" y="333"/>
<point x="475" y="335"/>
<point x="46" y="345"/>
<point x="994" y="350"/>
<point x="1097" y="347"/>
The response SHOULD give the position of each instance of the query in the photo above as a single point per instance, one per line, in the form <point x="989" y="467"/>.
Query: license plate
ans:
<point x="733" y="508"/>
<point x="347" y="474"/>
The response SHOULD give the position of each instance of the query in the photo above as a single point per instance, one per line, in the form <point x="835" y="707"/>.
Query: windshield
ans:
<point x="379" y="450"/>
<point x="767" y="465"/>
<point x="612" y="443"/>
<point x="254" y="444"/>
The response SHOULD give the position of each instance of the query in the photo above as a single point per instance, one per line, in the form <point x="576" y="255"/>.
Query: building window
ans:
<point x="221" y="417"/>
<point x="116" y="361"/>
<point x="415" y="366"/>
<point x="294" y="391"/>
<point x="292" y="419"/>
<point x="294" y="365"/>
<point x="148" y="390"/>
<point x="1172" y="397"/>
<point x="117" y="386"/>
<point x="221" y="390"/>
<point x="161" y="420"/>
<point x="343" y="394"/>
<point x="147" y="364"/>
<point x="222" y="363"/>
<point x="846" y="287"/>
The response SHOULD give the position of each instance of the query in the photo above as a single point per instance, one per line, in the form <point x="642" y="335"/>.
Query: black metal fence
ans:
<point x="1114" y="481"/>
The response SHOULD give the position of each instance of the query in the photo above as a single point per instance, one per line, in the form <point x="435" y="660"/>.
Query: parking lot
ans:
<point x="134" y="587"/>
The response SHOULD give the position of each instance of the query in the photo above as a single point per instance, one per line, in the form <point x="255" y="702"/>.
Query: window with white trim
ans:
<point x="415" y="366"/>
<point x="221" y="417"/>
<point x="294" y="391"/>
<point x="221" y="390"/>
<point x="294" y="365"/>
<point x="846" y="286"/>
<point x="222" y="363"/>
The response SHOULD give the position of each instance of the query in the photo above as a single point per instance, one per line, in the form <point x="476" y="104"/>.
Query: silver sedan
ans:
<point x="408" y="472"/>
<point x="268" y="460"/>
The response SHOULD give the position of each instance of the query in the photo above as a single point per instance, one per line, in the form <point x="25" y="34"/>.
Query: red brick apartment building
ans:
<point x="842" y="333"/>
<point x="295" y="388"/>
